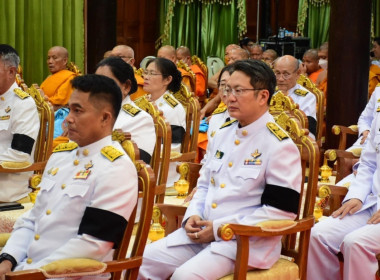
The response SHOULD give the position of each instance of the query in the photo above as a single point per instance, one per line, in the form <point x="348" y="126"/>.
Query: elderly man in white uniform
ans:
<point x="354" y="228"/>
<point x="88" y="189"/>
<point x="19" y="126"/>
<point x="287" y="71"/>
<point x="251" y="174"/>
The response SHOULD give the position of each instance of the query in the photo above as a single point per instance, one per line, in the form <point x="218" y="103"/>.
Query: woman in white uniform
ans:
<point x="131" y="119"/>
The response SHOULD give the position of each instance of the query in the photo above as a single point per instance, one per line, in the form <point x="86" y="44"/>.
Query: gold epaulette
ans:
<point x="228" y="123"/>
<point x="111" y="152"/>
<point x="378" y="85"/>
<point x="276" y="130"/>
<point x="65" y="147"/>
<point x="219" y="110"/>
<point x="301" y="92"/>
<point x="378" y="109"/>
<point x="170" y="100"/>
<point x="130" y="110"/>
<point x="20" y="93"/>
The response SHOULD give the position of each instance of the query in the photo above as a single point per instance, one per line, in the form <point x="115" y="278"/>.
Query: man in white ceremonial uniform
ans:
<point x="88" y="189"/>
<point x="354" y="228"/>
<point x="131" y="118"/>
<point x="252" y="174"/>
<point x="364" y="126"/>
<point x="287" y="71"/>
<point x="19" y="126"/>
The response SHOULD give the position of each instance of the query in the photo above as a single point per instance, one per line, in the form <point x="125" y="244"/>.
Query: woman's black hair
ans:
<point x="168" y="68"/>
<point x="121" y="70"/>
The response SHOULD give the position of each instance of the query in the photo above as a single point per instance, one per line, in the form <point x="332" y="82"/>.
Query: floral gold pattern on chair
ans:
<point x="156" y="231"/>
<point x="182" y="185"/>
<point x="184" y="66"/>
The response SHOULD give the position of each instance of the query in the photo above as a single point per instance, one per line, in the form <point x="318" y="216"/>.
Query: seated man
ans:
<point x="287" y="71"/>
<point x="311" y="63"/>
<point x="354" y="228"/>
<point x="168" y="52"/>
<point x="183" y="53"/>
<point x="269" y="56"/>
<point x="19" y="127"/>
<point x="88" y="189"/>
<point x="57" y="87"/>
<point x="374" y="69"/>
<point x="249" y="176"/>
<point x="256" y="52"/>
<point x="321" y="81"/>
<point x="127" y="54"/>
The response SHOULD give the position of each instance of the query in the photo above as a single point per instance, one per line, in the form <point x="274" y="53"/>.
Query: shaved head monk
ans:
<point x="57" y="86"/>
<point x="310" y="60"/>
<point x="125" y="52"/>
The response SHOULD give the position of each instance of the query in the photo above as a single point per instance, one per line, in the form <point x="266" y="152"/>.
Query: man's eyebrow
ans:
<point x="75" y="105"/>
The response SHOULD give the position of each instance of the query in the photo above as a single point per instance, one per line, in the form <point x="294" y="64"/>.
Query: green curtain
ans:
<point x="32" y="27"/>
<point x="314" y="21"/>
<point x="206" y="29"/>
<point x="376" y="18"/>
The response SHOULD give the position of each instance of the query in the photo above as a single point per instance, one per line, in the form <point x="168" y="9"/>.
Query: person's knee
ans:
<point x="351" y="242"/>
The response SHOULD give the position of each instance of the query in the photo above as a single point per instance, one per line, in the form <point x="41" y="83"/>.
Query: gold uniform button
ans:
<point x="63" y="186"/>
<point x="212" y="181"/>
<point x="76" y="162"/>
<point x="222" y="185"/>
<point x="237" y="142"/>
<point x="230" y="164"/>
<point x="160" y="104"/>
<point x="214" y="205"/>
<point x="36" y="237"/>
<point x="2" y="98"/>
<point x="48" y="212"/>
<point x="85" y="152"/>
<point x="29" y="261"/>
<point x="244" y="132"/>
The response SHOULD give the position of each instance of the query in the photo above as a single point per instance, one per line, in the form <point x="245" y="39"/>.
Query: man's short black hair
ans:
<point x="245" y="41"/>
<point x="100" y="88"/>
<point x="121" y="70"/>
<point x="9" y="55"/>
<point x="262" y="77"/>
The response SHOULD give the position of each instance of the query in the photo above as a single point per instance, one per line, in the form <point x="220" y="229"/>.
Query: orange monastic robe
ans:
<point x="140" y="91"/>
<point x="374" y="78"/>
<point x="313" y="76"/>
<point x="57" y="87"/>
<point x="200" y="80"/>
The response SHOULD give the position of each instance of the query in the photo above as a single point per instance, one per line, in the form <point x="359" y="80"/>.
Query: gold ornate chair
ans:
<point x="44" y="140"/>
<point x="146" y="185"/>
<point x="281" y="103"/>
<point x="161" y="154"/>
<point x="190" y="141"/>
<point x="378" y="271"/>
<point x="309" y="85"/>
<point x="71" y="66"/>
<point x="190" y="75"/>
<point x="293" y="267"/>
<point x="196" y="60"/>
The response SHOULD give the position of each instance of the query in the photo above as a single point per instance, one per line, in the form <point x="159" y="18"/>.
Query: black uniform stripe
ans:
<point x="22" y="143"/>
<point x="178" y="133"/>
<point x="145" y="156"/>
<point x="281" y="198"/>
<point x="103" y="224"/>
<point x="312" y="125"/>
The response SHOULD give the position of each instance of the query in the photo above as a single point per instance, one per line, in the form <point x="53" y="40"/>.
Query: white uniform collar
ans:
<point x="94" y="148"/>
<point x="256" y="126"/>
<point x="293" y="88"/>
<point x="9" y="92"/>
<point x="126" y="100"/>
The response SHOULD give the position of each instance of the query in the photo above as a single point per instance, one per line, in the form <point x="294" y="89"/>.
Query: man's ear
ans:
<point x="263" y="96"/>
<point x="107" y="117"/>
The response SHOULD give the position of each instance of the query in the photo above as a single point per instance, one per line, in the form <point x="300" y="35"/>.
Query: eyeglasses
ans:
<point x="237" y="92"/>
<point x="285" y="75"/>
<point x="150" y="73"/>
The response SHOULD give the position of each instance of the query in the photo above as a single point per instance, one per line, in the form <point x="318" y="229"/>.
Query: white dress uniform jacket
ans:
<point x="175" y="115"/>
<point x="358" y="241"/>
<point x="140" y="124"/>
<point x="86" y="193"/>
<point x="19" y="127"/>
<point x="307" y="103"/>
<point x="244" y="166"/>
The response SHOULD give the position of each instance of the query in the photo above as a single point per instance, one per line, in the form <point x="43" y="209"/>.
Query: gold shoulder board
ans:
<point x="111" y="152"/>
<point x="378" y="109"/>
<point x="378" y="85"/>
<point x="301" y="92"/>
<point x="65" y="147"/>
<point x="20" y="93"/>
<point x="129" y="109"/>
<point x="170" y="100"/>
<point x="228" y="123"/>
<point x="276" y="130"/>
<point x="219" y="110"/>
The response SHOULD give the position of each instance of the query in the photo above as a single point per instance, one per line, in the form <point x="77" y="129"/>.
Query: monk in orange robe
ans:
<point x="183" y="53"/>
<point x="374" y="78"/>
<point x="168" y="52"/>
<point x="127" y="54"/>
<point x="57" y="87"/>
<point x="310" y="62"/>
